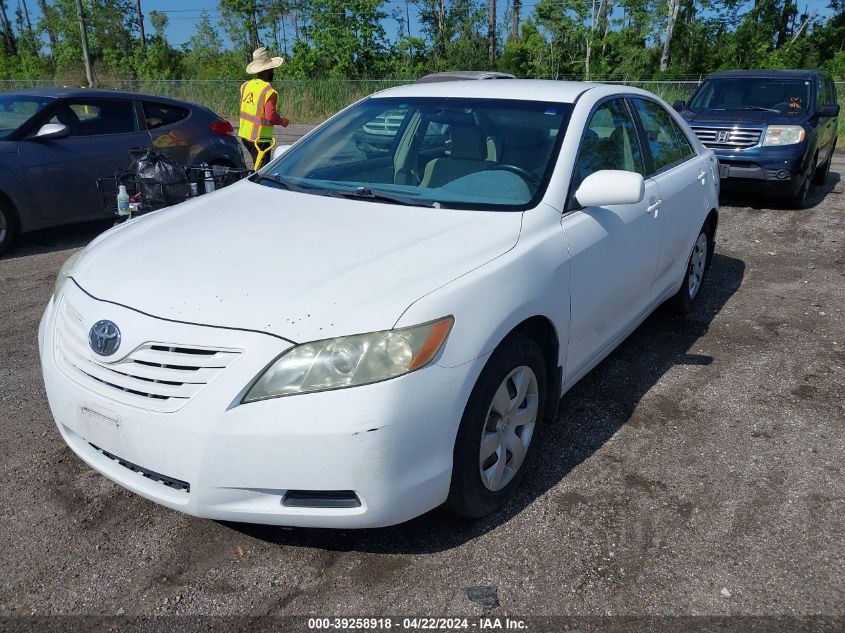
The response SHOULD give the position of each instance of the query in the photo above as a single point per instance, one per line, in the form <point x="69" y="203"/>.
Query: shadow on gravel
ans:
<point x="56" y="239"/>
<point x="591" y="413"/>
<point x="778" y="203"/>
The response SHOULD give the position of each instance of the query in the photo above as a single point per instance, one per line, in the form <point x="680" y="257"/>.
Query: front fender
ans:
<point x="13" y="185"/>
<point x="532" y="279"/>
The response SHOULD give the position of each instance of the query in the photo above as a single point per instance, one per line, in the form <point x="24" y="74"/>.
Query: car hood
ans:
<point x="299" y="266"/>
<point x="742" y="117"/>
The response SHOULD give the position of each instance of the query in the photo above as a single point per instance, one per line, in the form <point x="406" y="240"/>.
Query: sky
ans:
<point x="183" y="15"/>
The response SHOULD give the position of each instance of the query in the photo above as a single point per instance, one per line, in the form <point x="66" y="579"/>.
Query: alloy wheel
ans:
<point x="696" y="265"/>
<point x="3" y="227"/>
<point x="509" y="426"/>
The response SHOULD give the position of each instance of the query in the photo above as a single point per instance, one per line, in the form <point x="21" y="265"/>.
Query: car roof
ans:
<point x="459" y="75"/>
<point x="96" y="93"/>
<point x="519" y="89"/>
<point x="766" y="74"/>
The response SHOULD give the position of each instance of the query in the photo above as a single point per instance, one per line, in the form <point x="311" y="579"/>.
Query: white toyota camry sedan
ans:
<point x="381" y="320"/>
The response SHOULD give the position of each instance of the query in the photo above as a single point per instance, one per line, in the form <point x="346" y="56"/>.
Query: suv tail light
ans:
<point x="222" y="127"/>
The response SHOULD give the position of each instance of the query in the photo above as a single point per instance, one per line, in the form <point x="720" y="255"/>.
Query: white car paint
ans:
<point x="249" y="271"/>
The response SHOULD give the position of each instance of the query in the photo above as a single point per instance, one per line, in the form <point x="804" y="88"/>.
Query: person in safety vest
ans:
<point x="258" y="102"/>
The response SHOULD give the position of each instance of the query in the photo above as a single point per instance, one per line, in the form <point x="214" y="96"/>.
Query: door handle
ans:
<point x="702" y="175"/>
<point x="654" y="206"/>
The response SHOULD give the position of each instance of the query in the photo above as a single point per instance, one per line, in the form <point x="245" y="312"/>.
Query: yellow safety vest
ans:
<point x="254" y="95"/>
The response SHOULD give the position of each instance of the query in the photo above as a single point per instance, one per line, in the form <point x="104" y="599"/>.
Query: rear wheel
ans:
<point x="8" y="226"/>
<point x="502" y="417"/>
<point x="697" y="264"/>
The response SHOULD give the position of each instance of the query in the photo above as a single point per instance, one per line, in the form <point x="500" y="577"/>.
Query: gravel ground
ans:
<point x="697" y="471"/>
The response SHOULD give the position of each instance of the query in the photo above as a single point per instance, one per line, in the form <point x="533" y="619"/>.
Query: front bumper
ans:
<point x="389" y="443"/>
<point x="772" y="170"/>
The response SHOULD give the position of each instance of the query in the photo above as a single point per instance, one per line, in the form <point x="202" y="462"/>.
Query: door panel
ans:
<point x="613" y="249"/>
<point x="613" y="256"/>
<point x="684" y="193"/>
<point x="61" y="174"/>
<point x="683" y="178"/>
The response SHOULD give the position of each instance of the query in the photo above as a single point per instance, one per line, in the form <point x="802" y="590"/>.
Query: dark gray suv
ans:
<point x="55" y="143"/>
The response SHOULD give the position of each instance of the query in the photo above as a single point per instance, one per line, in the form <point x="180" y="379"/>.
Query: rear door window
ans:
<point x="97" y="117"/>
<point x="159" y="114"/>
<point x="667" y="143"/>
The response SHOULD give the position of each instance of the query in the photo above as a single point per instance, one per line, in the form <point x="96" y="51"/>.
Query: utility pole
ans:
<point x="141" y="23"/>
<point x="85" y="58"/>
<point x="517" y="7"/>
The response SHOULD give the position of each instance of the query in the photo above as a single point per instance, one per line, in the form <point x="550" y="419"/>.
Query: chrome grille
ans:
<point x="155" y="376"/>
<point x="728" y="137"/>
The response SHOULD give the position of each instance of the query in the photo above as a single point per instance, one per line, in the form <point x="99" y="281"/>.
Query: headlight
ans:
<point x="783" y="135"/>
<point x="350" y="361"/>
<point x="65" y="271"/>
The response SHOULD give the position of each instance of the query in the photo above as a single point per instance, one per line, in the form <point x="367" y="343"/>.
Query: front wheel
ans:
<point x="820" y="176"/>
<point x="7" y="227"/>
<point x="501" y="419"/>
<point x="799" y="200"/>
<point x="683" y="300"/>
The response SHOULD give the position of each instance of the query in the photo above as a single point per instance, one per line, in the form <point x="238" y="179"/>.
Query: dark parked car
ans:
<point x="55" y="143"/>
<point x="773" y="131"/>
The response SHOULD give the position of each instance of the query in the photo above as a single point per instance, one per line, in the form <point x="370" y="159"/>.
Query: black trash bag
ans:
<point x="161" y="181"/>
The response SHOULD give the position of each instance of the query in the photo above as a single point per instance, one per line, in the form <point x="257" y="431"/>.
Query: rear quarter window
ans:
<point x="160" y="114"/>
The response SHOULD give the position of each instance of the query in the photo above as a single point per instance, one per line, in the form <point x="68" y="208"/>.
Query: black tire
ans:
<point x="799" y="199"/>
<point x="468" y="494"/>
<point x="8" y="226"/>
<point x="820" y="177"/>
<point x="683" y="300"/>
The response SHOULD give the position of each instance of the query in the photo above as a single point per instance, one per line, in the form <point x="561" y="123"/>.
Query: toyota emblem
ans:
<point x="104" y="338"/>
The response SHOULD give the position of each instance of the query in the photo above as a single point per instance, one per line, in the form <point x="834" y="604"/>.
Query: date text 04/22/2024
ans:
<point x="418" y="624"/>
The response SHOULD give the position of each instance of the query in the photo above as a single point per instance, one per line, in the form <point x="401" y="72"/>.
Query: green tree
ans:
<point x="345" y="40"/>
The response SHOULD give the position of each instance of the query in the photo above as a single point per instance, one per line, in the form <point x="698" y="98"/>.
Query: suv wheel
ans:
<point x="8" y="227"/>
<point x="821" y="173"/>
<point x="799" y="200"/>
<point x="503" y="415"/>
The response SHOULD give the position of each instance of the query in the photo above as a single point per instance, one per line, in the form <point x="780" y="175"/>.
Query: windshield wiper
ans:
<point x="758" y="109"/>
<point x="284" y="183"/>
<point x="365" y="193"/>
<point x="278" y="180"/>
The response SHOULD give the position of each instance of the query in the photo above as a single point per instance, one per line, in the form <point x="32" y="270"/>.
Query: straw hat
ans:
<point x="261" y="60"/>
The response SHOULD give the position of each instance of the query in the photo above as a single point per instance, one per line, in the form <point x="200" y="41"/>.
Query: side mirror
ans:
<point x="52" y="131"/>
<point x="679" y="105"/>
<point x="831" y="110"/>
<point x="279" y="150"/>
<point x="610" y="186"/>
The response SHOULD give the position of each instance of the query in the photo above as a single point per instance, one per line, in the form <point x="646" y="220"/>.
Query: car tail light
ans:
<point x="222" y="127"/>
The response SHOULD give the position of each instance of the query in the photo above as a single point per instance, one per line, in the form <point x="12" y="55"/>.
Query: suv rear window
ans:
<point x="159" y="114"/>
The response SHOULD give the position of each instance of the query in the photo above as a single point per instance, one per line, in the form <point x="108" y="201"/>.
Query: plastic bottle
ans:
<point x="208" y="176"/>
<point x="122" y="201"/>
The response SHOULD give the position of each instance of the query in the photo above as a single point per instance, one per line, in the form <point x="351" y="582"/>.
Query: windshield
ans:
<point x="456" y="153"/>
<point x="15" y="110"/>
<point x="753" y="93"/>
